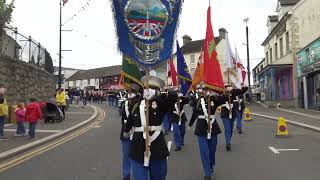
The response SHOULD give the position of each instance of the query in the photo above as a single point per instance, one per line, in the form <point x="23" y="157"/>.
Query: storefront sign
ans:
<point x="309" y="59"/>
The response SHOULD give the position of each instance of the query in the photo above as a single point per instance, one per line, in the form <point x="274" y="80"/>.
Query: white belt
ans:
<point x="151" y="128"/>
<point x="235" y="101"/>
<point x="224" y="105"/>
<point x="204" y="117"/>
<point x="178" y="113"/>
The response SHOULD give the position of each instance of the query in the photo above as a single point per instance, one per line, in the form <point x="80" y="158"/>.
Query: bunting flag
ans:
<point x="65" y="2"/>
<point x="239" y="66"/>
<point x="212" y="76"/>
<point x="197" y="76"/>
<point x="172" y="73"/>
<point x="229" y="61"/>
<point x="183" y="72"/>
<point x="130" y="73"/>
<point x="146" y="29"/>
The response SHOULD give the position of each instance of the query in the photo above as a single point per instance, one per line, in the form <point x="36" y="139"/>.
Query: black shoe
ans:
<point x="2" y="138"/>
<point x="240" y="131"/>
<point x="228" y="147"/>
<point x="126" y="178"/>
<point x="178" y="149"/>
<point x="182" y="144"/>
<point x="207" y="178"/>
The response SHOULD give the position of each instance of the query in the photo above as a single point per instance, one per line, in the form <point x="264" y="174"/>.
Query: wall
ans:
<point x="307" y="15"/>
<point x="23" y="80"/>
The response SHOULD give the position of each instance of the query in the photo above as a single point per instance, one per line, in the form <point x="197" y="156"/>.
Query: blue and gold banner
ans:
<point x="184" y="76"/>
<point x="146" y="29"/>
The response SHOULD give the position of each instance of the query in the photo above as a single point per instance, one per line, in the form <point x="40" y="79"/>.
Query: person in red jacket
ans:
<point x="33" y="115"/>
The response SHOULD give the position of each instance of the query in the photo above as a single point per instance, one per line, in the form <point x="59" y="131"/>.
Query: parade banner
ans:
<point x="130" y="73"/>
<point x="146" y="29"/>
<point x="212" y="76"/>
<point x="183" y="72"/>
<point x="173" y="73"/>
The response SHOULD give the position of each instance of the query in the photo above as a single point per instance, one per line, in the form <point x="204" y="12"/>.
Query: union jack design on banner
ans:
<point x="146" y="28"/>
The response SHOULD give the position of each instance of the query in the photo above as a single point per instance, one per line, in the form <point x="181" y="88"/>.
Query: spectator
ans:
<point x="3" y="112"/>
<point x="33" y="115"/>
<point x="85" y="98"/>
<point x="61" y="101"/>
<point x="20" y="117"/>
<point x="76" y="96"/>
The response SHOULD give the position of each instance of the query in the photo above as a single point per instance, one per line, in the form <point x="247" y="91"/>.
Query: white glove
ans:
<point x="149" y="94"/>
<point x="126" y="135"/>
<point x="180" y="95"/>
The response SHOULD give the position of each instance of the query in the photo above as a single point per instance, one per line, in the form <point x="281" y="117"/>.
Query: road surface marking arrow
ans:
<point x="277" y="151"/>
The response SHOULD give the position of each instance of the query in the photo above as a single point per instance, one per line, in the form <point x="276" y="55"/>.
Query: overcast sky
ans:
<point x="93" y="42"/>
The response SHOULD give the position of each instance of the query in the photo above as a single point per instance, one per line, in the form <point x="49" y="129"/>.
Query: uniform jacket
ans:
<point x="182" y="101"/>
<point x="202" y="125"/>
<point x="239" y="99"/>
<point x="225" y="110"/>
<point x="61" y="99"/>
<point x="124" y="118"/>
<point x="3" y="107"/>
<point x="33" y="112"/>
<point x="158" y="107"/>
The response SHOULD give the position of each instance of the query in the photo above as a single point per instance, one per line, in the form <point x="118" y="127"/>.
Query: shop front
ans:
<point x="276" y="83"/>
<point x="309" y="76"/>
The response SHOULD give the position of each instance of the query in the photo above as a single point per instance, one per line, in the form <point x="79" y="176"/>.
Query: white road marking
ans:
<point x="97" y="126"/>
<point x="288" y="149"/>
<point x="39" y="130"/>
<point x="277" y="151"/>
<point x="274" y="150"/>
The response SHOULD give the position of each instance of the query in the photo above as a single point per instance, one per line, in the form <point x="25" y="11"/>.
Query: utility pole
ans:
<point x="248" y="58"/>
<point x="60" y="25"/>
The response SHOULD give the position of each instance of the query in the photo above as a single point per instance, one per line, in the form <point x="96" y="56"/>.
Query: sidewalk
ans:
<point x="300" y="116"/>
<point x="74" y="116"/>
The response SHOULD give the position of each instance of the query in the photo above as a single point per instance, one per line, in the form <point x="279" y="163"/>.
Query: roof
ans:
<point x="196" y="46"/>
<point x="276" y="28"/>
<point x="273" y="18"/>
<point x="288" y="2"/>
<point x="261" y="62"/>
<point x="56" y="68"/>
<point x="96" y="73"/>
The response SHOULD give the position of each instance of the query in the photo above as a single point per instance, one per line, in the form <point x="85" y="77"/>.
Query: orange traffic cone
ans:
<point x="247" y="115"/>
<point x="282" y="130"/>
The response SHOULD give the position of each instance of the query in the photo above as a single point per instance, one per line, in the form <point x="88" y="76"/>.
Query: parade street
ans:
<point x="256" y="154"/>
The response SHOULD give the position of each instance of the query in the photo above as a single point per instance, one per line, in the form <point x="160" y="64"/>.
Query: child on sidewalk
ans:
<point x="33" y="115"/>
<point x="20" y="117"/>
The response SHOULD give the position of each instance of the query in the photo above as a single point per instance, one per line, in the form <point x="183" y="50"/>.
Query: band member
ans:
<point x="178" y="121"/>
<point x="239" y="107"/>
<point x="134" y="97"/>
<point x="207" y="137"/>
<point x="149" y="162"/>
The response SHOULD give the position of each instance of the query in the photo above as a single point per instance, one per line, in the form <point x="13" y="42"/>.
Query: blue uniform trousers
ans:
<point x="228" y="129"/>
<point x="178" y="134"/>
<point x="208" y="152"/>
<point x="126" y="164"/>
<point x="166" y="123"/>
<point x="239" y="119"/>
<point x="157" y="170"/>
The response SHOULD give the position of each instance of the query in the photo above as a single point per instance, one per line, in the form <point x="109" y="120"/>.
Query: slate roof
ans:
<point x="288" y="2"/>
<point x="96" y="73"/>
<point x="196" y="46"/>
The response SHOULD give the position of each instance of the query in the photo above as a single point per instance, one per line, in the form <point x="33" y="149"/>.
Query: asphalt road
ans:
<point x="96" y="155"/>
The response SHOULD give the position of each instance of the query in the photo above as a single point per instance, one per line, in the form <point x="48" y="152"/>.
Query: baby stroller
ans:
<point x="52" y="113"/>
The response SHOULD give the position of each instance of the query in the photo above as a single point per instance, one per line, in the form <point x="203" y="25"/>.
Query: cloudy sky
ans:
<point x="93" y="42"/>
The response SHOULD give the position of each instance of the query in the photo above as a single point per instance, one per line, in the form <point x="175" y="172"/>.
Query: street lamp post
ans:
<point x="60" y="76"/>
<point x="248" y="58"/>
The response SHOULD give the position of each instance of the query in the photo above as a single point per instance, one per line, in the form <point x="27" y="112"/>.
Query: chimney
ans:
<point x="186" y="39"/>
<point x="222" y="33"/>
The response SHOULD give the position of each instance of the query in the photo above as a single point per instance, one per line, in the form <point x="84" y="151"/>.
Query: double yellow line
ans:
<point x="43" y="149"/>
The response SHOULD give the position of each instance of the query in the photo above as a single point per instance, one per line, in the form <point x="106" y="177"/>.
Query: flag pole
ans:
<point x="147" y="140"/>
<point x="60" y="39"/>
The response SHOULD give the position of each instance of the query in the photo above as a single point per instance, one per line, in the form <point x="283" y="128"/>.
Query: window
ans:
<point x="281" y="47"/>
<point x="267" y="57"/>
<point x="276" y="51"/>
<point x="192" y="59"/>
<point x="287" y="41"/>
<point x="270" y="55"/>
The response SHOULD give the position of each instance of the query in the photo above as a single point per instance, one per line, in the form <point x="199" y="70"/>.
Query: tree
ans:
<point x="5" y="17"/>
<point x="48" y="66"/>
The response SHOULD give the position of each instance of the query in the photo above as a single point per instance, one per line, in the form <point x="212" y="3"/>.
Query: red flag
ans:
<point x="65" y="2"/>
<point x="212" y="76"/>
<point x="173" y="73"/>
